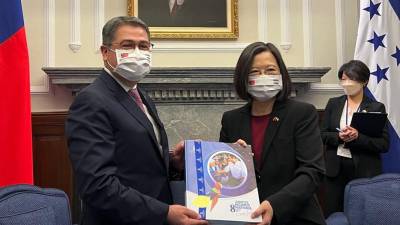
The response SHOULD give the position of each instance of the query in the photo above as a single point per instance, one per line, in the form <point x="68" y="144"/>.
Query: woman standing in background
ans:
<point x="349" y="153"/>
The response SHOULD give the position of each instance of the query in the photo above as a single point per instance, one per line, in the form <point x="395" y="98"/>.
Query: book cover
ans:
<point x="220" y="181"/>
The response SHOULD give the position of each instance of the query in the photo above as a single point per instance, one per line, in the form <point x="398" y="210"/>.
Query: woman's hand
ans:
<point x="265" y="210"/>
<point x="241" y="143"/>
<point x="348" y="134"/>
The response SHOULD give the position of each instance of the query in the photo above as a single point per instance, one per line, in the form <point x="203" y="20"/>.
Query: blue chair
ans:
<point x="32" y="205"/>
<point x="374" y="201"/>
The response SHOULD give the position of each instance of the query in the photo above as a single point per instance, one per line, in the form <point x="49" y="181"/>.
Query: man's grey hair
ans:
<point x="112" y="25"/>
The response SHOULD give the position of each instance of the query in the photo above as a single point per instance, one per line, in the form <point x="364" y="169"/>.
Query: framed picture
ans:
<point x="188" y="18"/>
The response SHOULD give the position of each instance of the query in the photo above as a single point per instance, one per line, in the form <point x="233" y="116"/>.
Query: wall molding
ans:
<point x="75" y="25"/>
<point x="262" y="21"/>
<point x="98" y="24"/>
<point x="49" y="45"/>
<point x="40" y="89"/>
<point x="340" y="39"/>
<point x="307" y="33"/>
<point x="286" y="43"/>
<point x="185" y="85"/>
<point x="49" y="32"/>
<point x="326" y="88"/>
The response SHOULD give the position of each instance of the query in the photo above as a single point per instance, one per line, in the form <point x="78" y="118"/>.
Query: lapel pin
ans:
<point x="275" y="119"/>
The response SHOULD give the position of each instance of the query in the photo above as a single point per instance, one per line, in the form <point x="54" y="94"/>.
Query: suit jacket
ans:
<point x="120" y="172"/>
<point x="292" y="159"/>
<point x="365" y="150"/>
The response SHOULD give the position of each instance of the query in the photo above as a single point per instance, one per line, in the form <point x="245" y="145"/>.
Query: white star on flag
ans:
<point x="378" y="44"/>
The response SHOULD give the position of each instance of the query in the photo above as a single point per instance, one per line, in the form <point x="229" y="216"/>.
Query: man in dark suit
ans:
<point x="118" y="145"/>
<point x="183" y="13"/>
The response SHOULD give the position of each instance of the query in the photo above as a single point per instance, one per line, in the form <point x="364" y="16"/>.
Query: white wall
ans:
<point x="325" y="36"/>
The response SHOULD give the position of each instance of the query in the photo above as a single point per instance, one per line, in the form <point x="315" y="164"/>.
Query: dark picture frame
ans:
<point x="189" y="19"/>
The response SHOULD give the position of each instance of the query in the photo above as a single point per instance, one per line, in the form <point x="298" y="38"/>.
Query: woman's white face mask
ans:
<point x="264" y="87"/>
<point x="351" y="87"/>
<point x="132" y="65"/>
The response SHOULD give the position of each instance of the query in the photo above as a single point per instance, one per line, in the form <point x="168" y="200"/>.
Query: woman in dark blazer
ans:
<point x="349" y="153"/>
<point x="284" y="136"/>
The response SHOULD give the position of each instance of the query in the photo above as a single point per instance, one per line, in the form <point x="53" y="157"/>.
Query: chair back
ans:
<point x="32" y="205"/>
<point x="373" y="201"/>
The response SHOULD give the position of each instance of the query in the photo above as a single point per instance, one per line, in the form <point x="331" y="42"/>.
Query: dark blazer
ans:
<point x="292" y="159"/>
<point x="121" y="175"/>
<point x="365" y="150"/>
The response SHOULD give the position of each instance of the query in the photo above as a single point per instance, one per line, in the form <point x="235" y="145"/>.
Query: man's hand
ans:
<point x="177" y="155"/>
<point x="180" y="215"/>
<point x="265" y="210"/>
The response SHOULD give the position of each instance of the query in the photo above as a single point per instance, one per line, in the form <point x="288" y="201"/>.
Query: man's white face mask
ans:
<point x="132" y="65"/>
<point x="264" y="87"/>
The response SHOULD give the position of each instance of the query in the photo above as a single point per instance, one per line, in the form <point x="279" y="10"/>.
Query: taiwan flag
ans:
<point x="15" y="109"/>
<point x="378" y="46"/>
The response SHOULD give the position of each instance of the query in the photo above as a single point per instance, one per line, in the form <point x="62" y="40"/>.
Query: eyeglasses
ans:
<point x="131" y="45"/>
<point x="269" y="70"/>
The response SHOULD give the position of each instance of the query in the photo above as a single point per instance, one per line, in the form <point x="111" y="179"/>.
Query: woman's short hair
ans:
<point x="355" y="70"/>
<point x="244" y="64"/>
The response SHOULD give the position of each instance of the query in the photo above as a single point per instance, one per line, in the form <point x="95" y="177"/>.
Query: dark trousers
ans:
<point x="334" y="187"/>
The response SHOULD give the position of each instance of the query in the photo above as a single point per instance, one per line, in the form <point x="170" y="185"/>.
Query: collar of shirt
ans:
<point x="125" y="87"/>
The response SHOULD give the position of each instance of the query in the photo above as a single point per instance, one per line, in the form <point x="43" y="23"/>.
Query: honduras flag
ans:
<point x="378" y="46"/>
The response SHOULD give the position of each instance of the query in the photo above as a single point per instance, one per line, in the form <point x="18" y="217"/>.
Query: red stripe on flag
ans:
<point x="15" y="112"/>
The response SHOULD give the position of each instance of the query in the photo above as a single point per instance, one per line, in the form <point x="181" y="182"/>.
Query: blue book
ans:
<point x="220" y="182"/>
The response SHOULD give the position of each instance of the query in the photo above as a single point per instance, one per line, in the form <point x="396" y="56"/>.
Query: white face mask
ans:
<point x="132" y="65"/>
<point x="351" y="87"/>
<point x="264" y="87"/>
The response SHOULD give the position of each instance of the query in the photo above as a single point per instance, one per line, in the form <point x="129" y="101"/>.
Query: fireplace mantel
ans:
<point x="183" y="85"/>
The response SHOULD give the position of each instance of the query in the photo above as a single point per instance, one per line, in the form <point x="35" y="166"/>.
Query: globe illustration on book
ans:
<point x="228" y="169"/>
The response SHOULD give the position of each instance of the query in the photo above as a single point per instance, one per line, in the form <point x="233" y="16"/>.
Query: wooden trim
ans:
<point x="51" y="164"/>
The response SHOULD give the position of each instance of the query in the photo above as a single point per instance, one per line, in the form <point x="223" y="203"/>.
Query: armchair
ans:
<point x="32" y="205"/>
<point x="374" y="201"/>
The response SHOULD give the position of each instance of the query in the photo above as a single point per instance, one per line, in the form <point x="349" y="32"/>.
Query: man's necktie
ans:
<point x="135" y="94"/>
